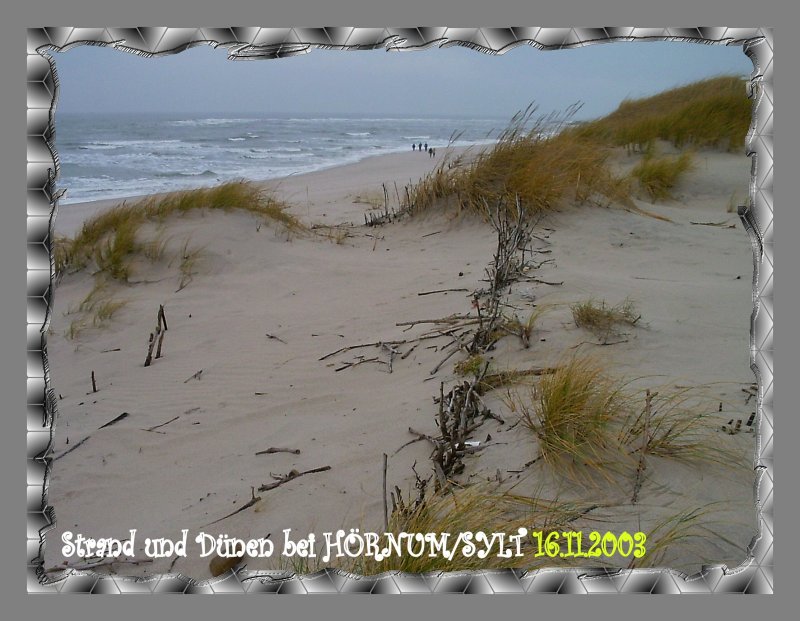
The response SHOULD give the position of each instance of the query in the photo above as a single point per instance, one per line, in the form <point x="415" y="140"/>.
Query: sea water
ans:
<point x="118" y="155"/>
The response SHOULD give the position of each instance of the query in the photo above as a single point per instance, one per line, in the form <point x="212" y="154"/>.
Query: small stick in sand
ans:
<point x="385" y="504"/>
<point x="253" y="500"/>
<point x="171" y="420"/>
<point x="392" y="353"/>
<point x="195" y="376"/>
<point x="446" y="358"/>
<point x="645" y="443"/>
<point x="274" y="449"/>
<point x="348" y="365"/>
<point x="149" y="359"/>
<point x="276" y="338"/>
<point x="445" y="291"/>
<point x="114" y="421"/>
<point x="108" y="424"/>
<point x="94" y="384"/>
<point x="294" y="474"/>
<point x="160" y="343"/>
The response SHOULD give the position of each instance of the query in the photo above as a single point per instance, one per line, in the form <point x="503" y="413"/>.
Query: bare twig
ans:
<point x="114" y="421"/>
<point x="443" y="291"/>
<point x="385" y="503"/>
<point x="349" y="365"/>
<point x="274" y="449"/>
<point x="645" y="444"/>
<point x="108" y="424"/>
<point x="276" y="338"/>
<point x="254" y="499"/>
<point x="171" y="420"/>
<point x="195" y="376"/>
<point x="294" y="474"/>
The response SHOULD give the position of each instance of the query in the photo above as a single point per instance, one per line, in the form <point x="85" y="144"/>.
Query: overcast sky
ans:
<point x="449" y="81"/>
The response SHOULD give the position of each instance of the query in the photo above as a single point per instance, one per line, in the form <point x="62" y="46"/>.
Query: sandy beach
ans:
<point x="246" y="362"/>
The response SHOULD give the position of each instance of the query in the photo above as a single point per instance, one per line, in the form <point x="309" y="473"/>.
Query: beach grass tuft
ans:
<point x="570" y="413"/>
<point x="657" y="175"/>
<point x="473" y="509"/>
<point x="603" y="320"/>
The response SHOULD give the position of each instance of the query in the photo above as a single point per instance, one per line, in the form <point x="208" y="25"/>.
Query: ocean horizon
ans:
<point x="116" y="155"/>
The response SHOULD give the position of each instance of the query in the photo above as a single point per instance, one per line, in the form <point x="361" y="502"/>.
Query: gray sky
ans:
<point x="449" y="81"/>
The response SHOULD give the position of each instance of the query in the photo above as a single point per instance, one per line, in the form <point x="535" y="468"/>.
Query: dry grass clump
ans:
<point x="109" y="242"/>
<point x="570" y="412"/>
<point x="587" y="423"/>
<point x="681" y="533"/>
<point x="472" y="510"/>
<point x="534" y="164"/>
<point x="603" y="320"/>
<point x="471" y="366"/>
<point x="677" y="424"/>
<point x="710" y="113"/>
<point x="523" y="328"/>
<point x="658" y="175"/>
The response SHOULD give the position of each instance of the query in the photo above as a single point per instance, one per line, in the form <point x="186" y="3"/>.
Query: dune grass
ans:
<point x="602" y="320"/>
<point x="110" y="241"/>
<point x="550" y="160"/>
<point x="534" y="163"/>
<point x="570" y="413"/>
<point x="681" y="426"/>
<point x="657" y="175"/>
<point x="473" y="509"/>
<point x="713" y="113"/>
<point x="680" y="533"/>
<point x="591" y="427"/>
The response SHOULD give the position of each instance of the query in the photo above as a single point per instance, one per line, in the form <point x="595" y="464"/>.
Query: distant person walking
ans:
<point x="414" y="147"/>
<point x="430" y="152"/>
<point x="420" y="146"/>
<point x="426" y="146"/>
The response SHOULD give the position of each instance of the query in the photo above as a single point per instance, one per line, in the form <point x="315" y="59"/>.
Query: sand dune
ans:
<point x="263" y="308"/>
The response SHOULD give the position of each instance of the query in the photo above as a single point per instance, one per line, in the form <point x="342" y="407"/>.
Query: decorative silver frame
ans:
<point x="754" y="575"/>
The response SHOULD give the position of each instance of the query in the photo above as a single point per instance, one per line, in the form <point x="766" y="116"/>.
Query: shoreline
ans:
<point x="296" y="189"/>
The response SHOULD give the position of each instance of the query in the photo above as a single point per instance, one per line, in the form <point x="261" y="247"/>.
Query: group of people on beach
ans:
<point x="426" y="149"/>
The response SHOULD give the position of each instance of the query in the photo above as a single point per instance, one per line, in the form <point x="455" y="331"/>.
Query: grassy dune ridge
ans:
<point x="550" y="160"/>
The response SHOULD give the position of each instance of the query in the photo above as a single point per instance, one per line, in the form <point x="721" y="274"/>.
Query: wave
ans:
<point x="177" y="174"/>
<point x="210" y="121"/>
